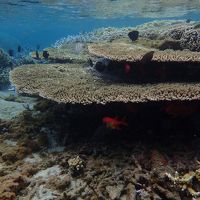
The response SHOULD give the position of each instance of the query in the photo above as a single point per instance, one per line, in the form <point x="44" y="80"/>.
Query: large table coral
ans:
<point x="72" y="83"/>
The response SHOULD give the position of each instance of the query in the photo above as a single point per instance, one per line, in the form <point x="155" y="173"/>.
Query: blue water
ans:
<point x="32" y="22"/>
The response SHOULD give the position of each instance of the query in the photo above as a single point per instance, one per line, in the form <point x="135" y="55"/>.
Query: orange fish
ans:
<point x="114" y="123"/>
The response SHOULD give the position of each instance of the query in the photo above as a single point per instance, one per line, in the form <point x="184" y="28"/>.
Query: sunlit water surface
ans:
<point x="33" y="22"/>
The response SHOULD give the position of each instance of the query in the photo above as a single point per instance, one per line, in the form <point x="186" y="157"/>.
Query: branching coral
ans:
<point x="76" y="165"/>
<point x="186" y="181"/>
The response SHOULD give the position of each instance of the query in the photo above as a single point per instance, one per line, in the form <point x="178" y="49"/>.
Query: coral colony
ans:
<point x="115" y="116"/>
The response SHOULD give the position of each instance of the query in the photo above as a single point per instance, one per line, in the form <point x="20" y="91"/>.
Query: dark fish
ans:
<point x="133" y="35"/>
<point x="37" y="46"/>
<point x="11" y="52"/>
<point x="188" y="20"/>
<point x="101" y="64"/>
<point x="45" y="54"/>
<point x="19" y="49"/>
<point x="37" y="55"/>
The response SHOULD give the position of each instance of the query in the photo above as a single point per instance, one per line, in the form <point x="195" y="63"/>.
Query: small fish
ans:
<point x="114" y="123"/>
<point x="19" y="49"/>
<point x="37" y="47"/>
<point x="133" y="35"/>
<point x="188" y="20"/>
<point x="37" y="54"/>
<point x="11" y="52"/>
<point x="45" y="54"/>
<point x="127" y="68"/>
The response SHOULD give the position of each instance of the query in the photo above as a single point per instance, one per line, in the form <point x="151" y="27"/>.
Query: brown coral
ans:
<point x="71" y="83"/>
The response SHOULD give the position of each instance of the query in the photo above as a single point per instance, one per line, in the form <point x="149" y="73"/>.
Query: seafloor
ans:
<point x="56" y="145"/>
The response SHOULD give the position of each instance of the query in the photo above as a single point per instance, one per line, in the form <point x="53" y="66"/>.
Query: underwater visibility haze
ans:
<point x="99" y="100"/>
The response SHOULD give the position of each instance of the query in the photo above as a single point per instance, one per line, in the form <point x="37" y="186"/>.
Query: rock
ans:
<point x="114" y="191"/>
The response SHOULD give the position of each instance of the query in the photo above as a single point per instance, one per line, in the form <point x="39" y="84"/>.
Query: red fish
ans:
<point x="127" y="68"/>
<point x="114" y="123"/>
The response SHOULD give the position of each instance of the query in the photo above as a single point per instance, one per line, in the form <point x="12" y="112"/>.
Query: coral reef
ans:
<point x="119" y="169"/>
<point x="185" y="34"/>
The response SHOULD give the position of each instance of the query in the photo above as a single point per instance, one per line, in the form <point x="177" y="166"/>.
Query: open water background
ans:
<point x="41" y="22"/>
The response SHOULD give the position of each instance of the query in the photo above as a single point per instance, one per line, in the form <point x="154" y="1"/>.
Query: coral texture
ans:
<point x="176" y="56"/>
<point x="72" y="83"/>
<point x="119" y="51"/>
<point x="129" y="52"/>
